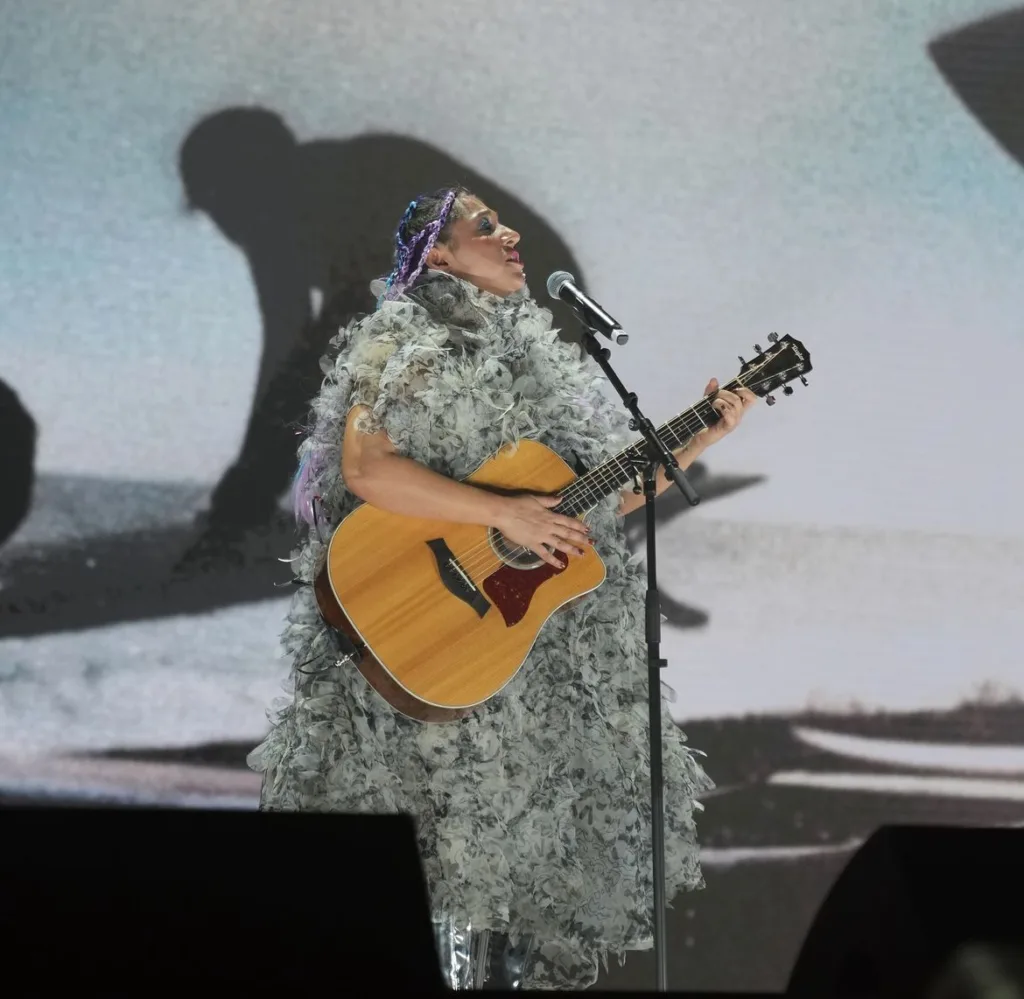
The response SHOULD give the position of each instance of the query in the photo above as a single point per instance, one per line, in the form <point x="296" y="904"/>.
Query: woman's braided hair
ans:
<point x="426" y="221"/>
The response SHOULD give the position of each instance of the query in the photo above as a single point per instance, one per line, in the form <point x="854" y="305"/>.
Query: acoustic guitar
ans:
<point x="437" y="616"/>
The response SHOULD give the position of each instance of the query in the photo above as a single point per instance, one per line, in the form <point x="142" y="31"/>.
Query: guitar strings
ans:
<point x="475" y="561"/>
<point x="472" y="562"/>
<point x="588" y="489"/>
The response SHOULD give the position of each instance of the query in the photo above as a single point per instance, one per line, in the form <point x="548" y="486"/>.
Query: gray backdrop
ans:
<point x="844" y="629"/>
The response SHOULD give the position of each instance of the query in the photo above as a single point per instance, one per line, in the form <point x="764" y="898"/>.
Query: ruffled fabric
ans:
<point x="534" y="812"/>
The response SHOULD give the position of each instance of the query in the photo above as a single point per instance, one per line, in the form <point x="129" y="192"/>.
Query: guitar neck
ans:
<point x="613" y="475"/>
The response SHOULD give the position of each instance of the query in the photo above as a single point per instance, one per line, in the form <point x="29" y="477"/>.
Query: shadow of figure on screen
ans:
<point x="983" y="63"/>
<point x="17" y="460"/>
<point x="672" y="505"/>
<point x="315" y="222"/>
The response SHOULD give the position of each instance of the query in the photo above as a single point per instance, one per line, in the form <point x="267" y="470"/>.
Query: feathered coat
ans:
<point x="533" y="812"/>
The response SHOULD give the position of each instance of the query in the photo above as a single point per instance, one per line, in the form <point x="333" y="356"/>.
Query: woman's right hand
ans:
<point x="530" y="521"/>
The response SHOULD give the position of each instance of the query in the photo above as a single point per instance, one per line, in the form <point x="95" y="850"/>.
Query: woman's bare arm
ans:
<point x="377" y="474"/>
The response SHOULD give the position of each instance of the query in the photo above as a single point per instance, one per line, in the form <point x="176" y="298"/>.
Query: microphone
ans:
<point x="562" y="285"/>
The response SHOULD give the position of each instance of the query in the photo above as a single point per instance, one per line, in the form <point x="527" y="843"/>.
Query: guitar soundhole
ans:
<point x="512" y="555"/>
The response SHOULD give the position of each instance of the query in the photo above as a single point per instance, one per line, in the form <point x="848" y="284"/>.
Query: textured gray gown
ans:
<point x="534" y="812"/>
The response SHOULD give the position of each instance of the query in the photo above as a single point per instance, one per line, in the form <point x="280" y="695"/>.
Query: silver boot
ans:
<point x="480" y="959"/>
<point x="462" y="952"/>
<point x="507" y="963"/>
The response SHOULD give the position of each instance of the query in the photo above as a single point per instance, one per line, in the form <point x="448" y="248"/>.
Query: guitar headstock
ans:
<point x="784" y="361"/>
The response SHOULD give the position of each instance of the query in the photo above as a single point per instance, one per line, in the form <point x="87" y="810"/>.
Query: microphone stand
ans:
<point x="658" y="455"/>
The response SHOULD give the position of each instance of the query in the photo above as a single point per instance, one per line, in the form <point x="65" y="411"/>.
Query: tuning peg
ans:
<point x="770" y="399"/>
<point x="741" y="359"/>
<point x="757" y="347"/>
<point x="803" y="381"/>
<point x="773" y="337"/>
<point x="788" y="390"/>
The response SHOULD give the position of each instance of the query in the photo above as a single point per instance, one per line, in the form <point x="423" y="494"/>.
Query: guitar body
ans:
<point x="444" y="615"/>
<point x="439" y="617"/>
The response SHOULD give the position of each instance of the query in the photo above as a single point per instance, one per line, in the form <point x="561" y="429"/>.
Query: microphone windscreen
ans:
<point x="557" y="280"/>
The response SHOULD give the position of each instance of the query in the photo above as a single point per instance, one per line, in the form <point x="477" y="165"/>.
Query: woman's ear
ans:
<point x="437" y="258"/>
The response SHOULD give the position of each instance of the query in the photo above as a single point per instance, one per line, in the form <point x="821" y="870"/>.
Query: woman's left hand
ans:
<point x="730" y="405"/>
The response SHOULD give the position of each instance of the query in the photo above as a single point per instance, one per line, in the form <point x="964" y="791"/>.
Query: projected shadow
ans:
<point x="314" y="220"/>
<point x="983" y="63"/>
<point x="671" y="506"/>
<point x="17" y="460"/>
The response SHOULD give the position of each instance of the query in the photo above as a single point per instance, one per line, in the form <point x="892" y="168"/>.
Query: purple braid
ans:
<point x="304" y="493"/>
<point x="411" y="256"/>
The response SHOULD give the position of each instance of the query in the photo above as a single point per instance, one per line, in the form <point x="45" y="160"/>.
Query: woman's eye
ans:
<point x="486" y="225"/>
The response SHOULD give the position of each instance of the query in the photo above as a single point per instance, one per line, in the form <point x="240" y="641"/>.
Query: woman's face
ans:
<point x="480" y="250"/>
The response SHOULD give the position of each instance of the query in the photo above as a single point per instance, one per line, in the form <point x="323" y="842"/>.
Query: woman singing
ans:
<point x="533" y="812"/>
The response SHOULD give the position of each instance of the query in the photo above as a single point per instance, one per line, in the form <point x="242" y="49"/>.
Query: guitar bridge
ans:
<point x="455" y="579"/>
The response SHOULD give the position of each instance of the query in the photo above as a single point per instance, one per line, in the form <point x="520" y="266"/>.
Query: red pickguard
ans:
<point x="511" y="590"/>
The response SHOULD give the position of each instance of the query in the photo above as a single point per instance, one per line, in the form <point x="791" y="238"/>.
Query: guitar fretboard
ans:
<point x="613" y="475"/>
